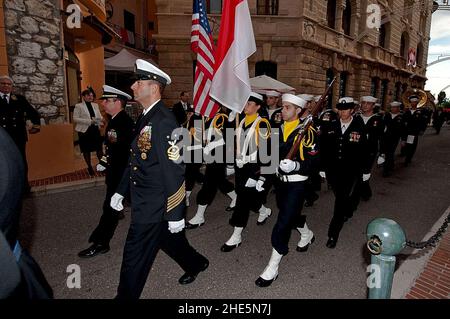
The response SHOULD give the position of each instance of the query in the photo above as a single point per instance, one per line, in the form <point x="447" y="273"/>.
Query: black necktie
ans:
<point x="5" y="99"/>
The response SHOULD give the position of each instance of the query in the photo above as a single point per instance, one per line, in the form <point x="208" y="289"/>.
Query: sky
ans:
<point x="439" y="74"/>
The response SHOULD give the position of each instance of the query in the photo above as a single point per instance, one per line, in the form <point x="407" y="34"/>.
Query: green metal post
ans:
<point x="385" y="240"/>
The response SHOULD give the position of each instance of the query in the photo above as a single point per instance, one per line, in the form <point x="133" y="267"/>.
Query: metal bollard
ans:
<point x="385" y="239"/>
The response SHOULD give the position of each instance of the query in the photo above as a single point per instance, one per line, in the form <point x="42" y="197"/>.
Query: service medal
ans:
<point x="144" y="141"/>
<point x="144" y="156"/>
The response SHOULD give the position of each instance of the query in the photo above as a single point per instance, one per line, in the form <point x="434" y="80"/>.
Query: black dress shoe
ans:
<point x="225" y="248"/>
<point x="331" y="243"/>
<point x="94" y="250"/>
<point x="187" y="278"/>
<point x="192" y="226"/>
<point x="260" y="282"/>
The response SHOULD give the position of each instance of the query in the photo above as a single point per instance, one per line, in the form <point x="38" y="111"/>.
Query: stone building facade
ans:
<point x="304" y="43"/>
<point x="34" y="57"/>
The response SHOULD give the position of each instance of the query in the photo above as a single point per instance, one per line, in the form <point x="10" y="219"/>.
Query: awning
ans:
<point x="263" y="83"/>
<point x="123" y="61"/>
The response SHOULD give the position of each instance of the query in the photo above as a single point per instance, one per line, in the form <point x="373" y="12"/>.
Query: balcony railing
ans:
<point x="134" y="40"/>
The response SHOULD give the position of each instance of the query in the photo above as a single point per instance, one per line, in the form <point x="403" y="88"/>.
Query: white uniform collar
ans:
<point x="145" y="111"/>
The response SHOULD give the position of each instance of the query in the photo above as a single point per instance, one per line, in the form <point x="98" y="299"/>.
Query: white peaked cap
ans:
<point x="369" y="99"/>
<point x="395" y="103"/>
<point x="346" y="99"/>
<point x="147" y="71"/>
<point x="273" y="93"/>
<point x="296" y="100"/>
<point x="306" y="97"/>
<point x="110" y="92"/>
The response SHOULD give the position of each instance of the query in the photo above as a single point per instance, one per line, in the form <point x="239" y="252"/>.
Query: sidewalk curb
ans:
<point x="408" y="272"/>
<point x="67" y="186"/>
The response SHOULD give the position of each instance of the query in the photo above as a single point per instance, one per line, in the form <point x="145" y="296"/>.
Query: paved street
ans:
<point x="56" y="227"/>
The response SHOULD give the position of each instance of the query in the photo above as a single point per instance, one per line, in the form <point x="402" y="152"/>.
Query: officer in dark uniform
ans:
<point x="214" y="153"/>
<point x="394" y="129"/>
<point x="155" y="179"/>
<point x="416" y="123"/>
<point x="325" y="118"/>
<point x="249" y="179"/>
<point x="373" y="122"/>
<point x="343" y="159"/>
<point x="32" y="282"/>
<point x="118" y="137"/>
<point x="290" y="188"/>
<point x="15" y="111"/>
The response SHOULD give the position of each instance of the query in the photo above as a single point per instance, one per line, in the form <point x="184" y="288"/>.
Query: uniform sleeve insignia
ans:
<point x="173" y="152"/>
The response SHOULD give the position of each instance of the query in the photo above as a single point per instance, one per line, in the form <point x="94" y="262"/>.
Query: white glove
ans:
<point x="100" y="168"/>
<point x="176" y="227"/>
<point x="322" y="174"/>
<point x="207" y="149"/>
<point x="239" y="163"/>
<point x="366" y="177"/>
<point x="259" y="184"/>
<point x="288" y="165"/>
<point x="380" y="159"/>
<point x="231" y="116"/>
<point x="116" y="201"/>
<point x="250" y="183"/>
<point x="230" y="170"/>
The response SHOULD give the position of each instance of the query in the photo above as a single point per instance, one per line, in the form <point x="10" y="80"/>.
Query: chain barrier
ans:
<point x="433" y="239"/>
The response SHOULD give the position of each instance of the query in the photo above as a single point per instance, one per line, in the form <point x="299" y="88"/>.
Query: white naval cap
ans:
<point x="306" y="97"/>
<point x="294" y="99"/>
<point x="413" y="98"/>
<point x="110" y="92"/>
<point x="146" y="71"/>
<point x="273" y="93"/>
<point x="256" y="97"/>
<point x="345" y="103"/>
<point x="369" y="99"/>
<point x="395" y="104"/>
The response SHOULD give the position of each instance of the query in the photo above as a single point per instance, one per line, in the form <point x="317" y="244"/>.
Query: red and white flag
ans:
<point x="230" y="84"/>
<point x="202" y="44"/>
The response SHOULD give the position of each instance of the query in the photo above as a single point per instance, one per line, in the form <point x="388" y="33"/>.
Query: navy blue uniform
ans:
<point x="118" y="136"/>
<point x="416" y="123"/>
<point x="394" y="129"/>
<point x="290" y="188"/>
<point x="344" y="159"/>
<point x="155" y="179"/>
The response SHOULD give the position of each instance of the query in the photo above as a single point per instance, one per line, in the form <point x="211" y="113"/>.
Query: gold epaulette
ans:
<point x="176" y="199"/>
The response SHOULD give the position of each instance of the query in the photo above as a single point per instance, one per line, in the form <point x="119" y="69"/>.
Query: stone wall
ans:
<point x="33" y="41"/>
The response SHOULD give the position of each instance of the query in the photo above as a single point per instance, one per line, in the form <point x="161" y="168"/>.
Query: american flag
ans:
<point x="202" y="44"/>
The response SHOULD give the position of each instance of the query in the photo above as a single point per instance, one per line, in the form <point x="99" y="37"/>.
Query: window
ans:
<point x="404" y="42"/>
<point x="384" y="87"/>
<point x="343" y="84"/>
<point x="266" y="68"/>
<point x="347" y="17"/>
<point x="330" y="76"/>
<point x="398" y="91"/>
<point x="382" y="36"/>
<point x="129" y="24"/>
<point x="267" y="7"/>
<point x="374" y="87"/>
<point x="419" y="53"/>
<point x="331" y="14"/>
<point x="214" y="6"/>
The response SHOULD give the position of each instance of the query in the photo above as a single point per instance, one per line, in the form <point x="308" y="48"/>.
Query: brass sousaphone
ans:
<point x="420" y="93"/>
